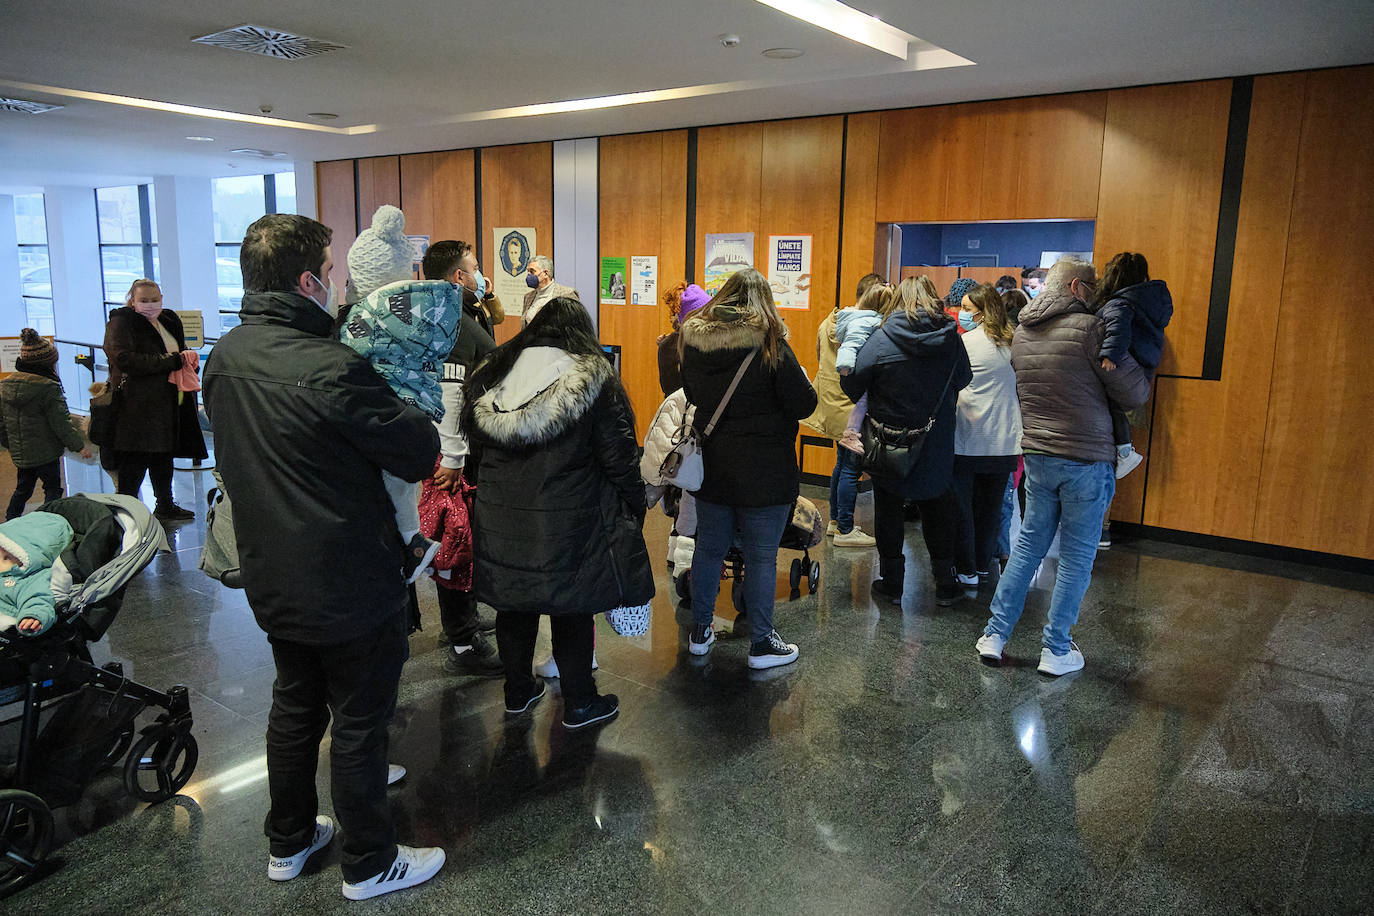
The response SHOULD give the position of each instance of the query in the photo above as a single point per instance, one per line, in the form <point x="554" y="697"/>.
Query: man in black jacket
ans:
<point x="304" y="427"/>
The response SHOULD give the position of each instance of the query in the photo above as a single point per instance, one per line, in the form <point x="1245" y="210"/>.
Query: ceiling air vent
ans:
<point x="259" y="153"/>
<point x="26" y="107"/>
<point x="271" y="42"/>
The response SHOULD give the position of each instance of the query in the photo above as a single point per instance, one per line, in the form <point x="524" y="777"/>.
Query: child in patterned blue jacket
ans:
<point x="853" y="326"/>
<point x="405" y="328"/>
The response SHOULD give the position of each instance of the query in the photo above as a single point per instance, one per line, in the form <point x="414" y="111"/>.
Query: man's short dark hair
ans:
<point x="442" y="257"/>
<point x="1039" y="273"/>
<point x="278" y="248"/>
<point x="867" y="282"/>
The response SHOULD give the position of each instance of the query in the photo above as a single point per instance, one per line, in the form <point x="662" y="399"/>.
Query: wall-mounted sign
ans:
<point x="726" y="253"/>
<point x="193" y="326"/>
<point x="9" y="352"/>
<point x="644" y="280"/>
<point x="612" y="281"/>
<point x="789" y="270"/>
<point x="514" y="246"/>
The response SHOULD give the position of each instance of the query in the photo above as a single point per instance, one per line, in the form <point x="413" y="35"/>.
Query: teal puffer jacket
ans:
<point x="35" y="541"/>
<point x="35" y="424"/>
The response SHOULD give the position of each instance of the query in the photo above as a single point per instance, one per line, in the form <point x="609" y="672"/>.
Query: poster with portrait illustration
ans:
<point x="789" y="270"/>
<point x="513" y="247"/>
<point x="612" y="281"/>
<point x="726" y="253"/>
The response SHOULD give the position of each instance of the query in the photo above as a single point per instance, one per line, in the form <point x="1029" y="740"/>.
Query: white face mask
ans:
<point x="331" y="300"/>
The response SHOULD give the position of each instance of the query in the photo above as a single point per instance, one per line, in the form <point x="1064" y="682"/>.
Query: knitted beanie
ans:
<point x="36" y="349"/>
<point x="381" y="255"/>
<point x="958" y="290"/>
<point x="693" y="298"/>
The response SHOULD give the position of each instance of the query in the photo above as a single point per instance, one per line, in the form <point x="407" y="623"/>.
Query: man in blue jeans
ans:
<point x="1070" y="455"/>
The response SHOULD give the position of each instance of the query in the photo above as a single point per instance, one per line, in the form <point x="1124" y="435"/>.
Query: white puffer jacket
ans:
<point x="663" y="434"/>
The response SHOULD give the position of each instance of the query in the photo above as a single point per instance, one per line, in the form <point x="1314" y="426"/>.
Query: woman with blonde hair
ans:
<point x="157" y="420"/>
<point x="987" y="432"/>
<point x="735" y="352"/>
<point x="912" y="369"/>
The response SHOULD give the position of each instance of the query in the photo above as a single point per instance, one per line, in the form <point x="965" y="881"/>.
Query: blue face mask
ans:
<point x="531" y="281"/>
<point x="481" y="285"/>
<point x="966" y="320"/>
<point x="1032" y="293"/>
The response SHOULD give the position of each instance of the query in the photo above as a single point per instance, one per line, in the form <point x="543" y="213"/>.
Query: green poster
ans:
<point x="612" y="281"/>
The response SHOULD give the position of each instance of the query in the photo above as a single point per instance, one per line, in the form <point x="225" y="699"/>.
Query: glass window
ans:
<point x="286" y="192"/>
<point x="39" y="316"/>
<point x="30" y="220"/>
<point x="238" y="202"/>
<point x="120" y="219"/>
<point x="35" y="274"/>
<point x="124" y="216"/>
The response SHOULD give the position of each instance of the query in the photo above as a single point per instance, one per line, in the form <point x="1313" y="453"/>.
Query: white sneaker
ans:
<point x="413" y="865"/>
<point x="968" y="580"/>
<point x="284" y="869"/>
<point x="701" y="639"/>
<point x="832" y="529"/>
<point x="549" y="668"/>
<point x="1127" y="464"/>
<point x="855" y="538"/>
<point x="1067" y="663"/>
<point x="990" y="645"/>
<point x="394" y="773"/>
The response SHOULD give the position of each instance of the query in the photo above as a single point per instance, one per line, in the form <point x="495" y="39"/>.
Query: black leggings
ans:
<point x="157" y="465"/>
<point x="574" y="639"/>
<point x="938" y="526"/>
<point x="1121" y="424"/>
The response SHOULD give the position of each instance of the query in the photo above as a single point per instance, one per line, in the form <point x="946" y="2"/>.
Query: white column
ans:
<point x="186" y="246"/>
<point x="305" y="189"/>
<point x="12" y="314"/>
<point x="78" y="297"/>
<point x="575" y="228"/>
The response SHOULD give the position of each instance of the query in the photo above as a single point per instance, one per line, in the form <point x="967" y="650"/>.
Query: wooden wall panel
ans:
<point x="860" y="202"/>
<point x="517" y="190"/>
<point x="438" y="196"/>
<point x="1207" y="445"/>
<point x="729" y="176"/>
<point x="643" y="211"/>
<point x="1056" y="143"/>
<point x="379" y="182"/>
<point x="1162" y="159"/>
<point x="930" y="164"/>
<point x="1317" y="481"/>
<point x="335" y="203"/>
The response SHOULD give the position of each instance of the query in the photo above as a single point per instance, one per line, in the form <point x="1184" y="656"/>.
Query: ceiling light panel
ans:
<point x="847" y="22"/>
<point x="275" y="43"/>
<point x="23" y="106"/>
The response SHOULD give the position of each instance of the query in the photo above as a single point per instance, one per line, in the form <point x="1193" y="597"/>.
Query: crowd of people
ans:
<point x="370" y="442"/>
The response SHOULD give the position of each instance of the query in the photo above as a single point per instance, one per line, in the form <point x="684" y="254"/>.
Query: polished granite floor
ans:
<point x="1215" y="756"/>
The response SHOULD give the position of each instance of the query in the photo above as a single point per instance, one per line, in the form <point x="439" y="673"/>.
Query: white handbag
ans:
<point x="683" y="466"/>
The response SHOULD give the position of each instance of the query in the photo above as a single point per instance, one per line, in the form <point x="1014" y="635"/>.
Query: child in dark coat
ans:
<point x="1136" y="311"/>
<point x="35" y="424"/>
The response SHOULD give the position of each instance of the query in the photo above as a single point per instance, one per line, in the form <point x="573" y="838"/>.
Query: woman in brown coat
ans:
<point x="156" y="421"/>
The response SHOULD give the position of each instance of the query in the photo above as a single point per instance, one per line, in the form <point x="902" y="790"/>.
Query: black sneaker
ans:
<point x="420" y="553"/>
<point x="883" y="590"/>
<point x="600" y="711"/>
<point x="946" y="593"/>
<point x="516" y="706"/>
<point x="171" y="512"/>
<point x="772" y="652"/>
<point x="477" y="659"/>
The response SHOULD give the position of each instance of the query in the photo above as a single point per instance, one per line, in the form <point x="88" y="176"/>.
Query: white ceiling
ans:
<point x="417" y="68"/>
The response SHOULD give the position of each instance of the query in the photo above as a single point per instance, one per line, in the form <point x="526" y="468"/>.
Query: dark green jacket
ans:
<point x="35" y="424"/>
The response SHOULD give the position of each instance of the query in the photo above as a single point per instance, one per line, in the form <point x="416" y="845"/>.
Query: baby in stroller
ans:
<point x="28" y="546"/>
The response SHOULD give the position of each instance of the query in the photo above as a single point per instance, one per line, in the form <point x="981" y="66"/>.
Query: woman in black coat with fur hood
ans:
<point x="560" y="504"/>
<point x="750" y="459"/>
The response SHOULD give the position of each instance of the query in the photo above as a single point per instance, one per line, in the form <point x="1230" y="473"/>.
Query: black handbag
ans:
<point x="105" y="416"/>
<point x="891" y="452"/>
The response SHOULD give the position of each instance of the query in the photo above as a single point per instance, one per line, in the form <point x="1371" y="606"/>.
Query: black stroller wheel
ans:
<point x="813" y="577"/>
<point x="794" y="577"/>
<point x="160" y="764"/>
<point x="25" y="837"/>
<point x="682" y="584"/>
<point x="117" y="749"/>
<point x="737" y="595"/>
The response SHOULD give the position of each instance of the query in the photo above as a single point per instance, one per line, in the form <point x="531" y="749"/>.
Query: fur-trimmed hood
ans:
<point x="543" y="395"/>
<point x="707" y="335"/>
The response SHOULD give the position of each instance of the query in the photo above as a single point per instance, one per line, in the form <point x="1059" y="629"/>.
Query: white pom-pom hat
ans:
<point x="381" y="255"/>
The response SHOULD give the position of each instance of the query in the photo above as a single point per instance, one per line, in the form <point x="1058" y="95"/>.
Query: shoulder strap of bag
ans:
<point x="944" y="391"/>
<point x="729" y="392"/>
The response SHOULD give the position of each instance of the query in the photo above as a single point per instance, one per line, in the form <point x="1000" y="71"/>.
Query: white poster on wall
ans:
<point x="513" y="248"/>
<point x="789" y="270"/>
<point x="643" y="279"/>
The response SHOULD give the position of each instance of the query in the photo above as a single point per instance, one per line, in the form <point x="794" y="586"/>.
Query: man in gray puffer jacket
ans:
<point x="1070" y="455"/>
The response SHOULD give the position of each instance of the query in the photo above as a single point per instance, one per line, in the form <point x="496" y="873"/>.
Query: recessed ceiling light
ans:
<point x="202" y="139"/>
<point x="322" y="116"/>
<point x="834" y="16"/>
<point x="784" y="53"/>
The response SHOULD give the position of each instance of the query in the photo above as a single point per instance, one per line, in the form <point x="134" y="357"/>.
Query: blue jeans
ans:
<point x="1072" y="497"/>
<point x="844" y="488"/>
<point x="1008" y="507"/>
<point x="760" y="530"/>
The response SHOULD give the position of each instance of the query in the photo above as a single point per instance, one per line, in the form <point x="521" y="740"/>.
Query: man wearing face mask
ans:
<point x="1033" y="281"/>
<point x="304" y="429"/>
<point x="539" y="278"/>
<point x="1070" y="453"/>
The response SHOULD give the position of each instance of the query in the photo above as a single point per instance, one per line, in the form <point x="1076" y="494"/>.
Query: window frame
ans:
<point x="146" y="244"/>
<point x="269" y="200"/>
